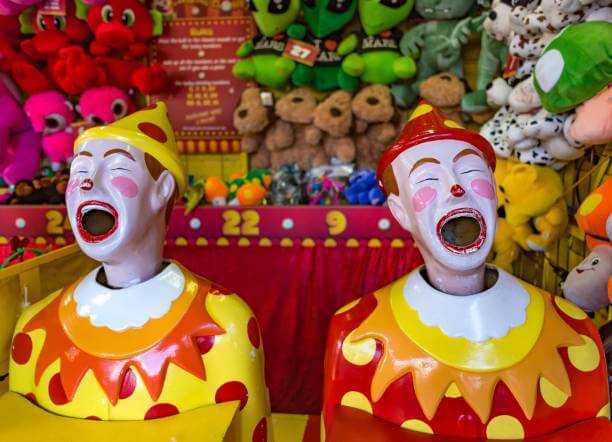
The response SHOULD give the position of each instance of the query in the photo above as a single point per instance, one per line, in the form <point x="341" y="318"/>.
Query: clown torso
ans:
<point x="171" y="344"/>
<point x="510" y="362"/>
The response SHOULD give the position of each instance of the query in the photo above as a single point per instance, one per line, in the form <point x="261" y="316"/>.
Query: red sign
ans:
<point x="198" y="55"/>
<point x="301" y="52"/>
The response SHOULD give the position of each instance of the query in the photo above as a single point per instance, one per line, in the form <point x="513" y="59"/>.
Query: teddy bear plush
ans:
<point x="104" y="105"/>
<point x="445" y="91"/>
<point x="51" y="114"/>
<point x="251" y="119"/>
<point x="376" y="123"/>
<point x="334" y="117"/>
<point x="293" y="138"/>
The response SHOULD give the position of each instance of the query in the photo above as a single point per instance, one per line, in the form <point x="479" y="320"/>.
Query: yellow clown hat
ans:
<point x="150" y="131"/>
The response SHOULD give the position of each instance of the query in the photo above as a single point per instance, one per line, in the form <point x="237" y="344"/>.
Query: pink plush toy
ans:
<point x="104" y="105"/>
<point x="51" y="114"/>
<point x="19" y="144"/>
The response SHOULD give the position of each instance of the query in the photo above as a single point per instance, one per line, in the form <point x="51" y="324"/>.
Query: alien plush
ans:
<point x="324" y="20"/>
<point x="373" y="54"/>
<point x="437" y="43"/>
<point x="261" y="58"/>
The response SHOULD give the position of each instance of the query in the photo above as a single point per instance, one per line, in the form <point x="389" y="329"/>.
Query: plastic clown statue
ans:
<point x="139" y="337"/>
<point x="457" y="347"/>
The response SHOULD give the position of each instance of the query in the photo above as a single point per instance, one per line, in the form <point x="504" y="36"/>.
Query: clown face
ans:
<point x="113" y="199"/>
<point x="447" y="200"/>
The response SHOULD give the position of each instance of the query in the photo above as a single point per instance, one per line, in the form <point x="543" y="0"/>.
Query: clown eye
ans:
<point x="470" y="171"/>
<point x="119" y="108"/>
<point x="59" y="22"/>
<point x="339" y="6"/>
<point x="310" y="3"/>
<point x="279" y="6"/>
<point x="252" y="6"/>
<point x="107" y="13"/>
<point x="393" y="3"/>
<point x="40" y="22"/>
<point x="128" y="18"/>
<point x="427" y="179"/>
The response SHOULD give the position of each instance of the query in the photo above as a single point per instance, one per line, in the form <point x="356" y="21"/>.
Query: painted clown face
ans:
<point x="113" y="199"/>
<point x="447" y="201"/>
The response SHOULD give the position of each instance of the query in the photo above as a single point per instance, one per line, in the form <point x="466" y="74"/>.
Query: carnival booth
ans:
<point x="277" y="220"/>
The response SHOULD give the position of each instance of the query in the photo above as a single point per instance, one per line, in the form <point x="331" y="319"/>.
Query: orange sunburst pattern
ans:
<point x="179" y="346"/>
<point x="432" y="378"/>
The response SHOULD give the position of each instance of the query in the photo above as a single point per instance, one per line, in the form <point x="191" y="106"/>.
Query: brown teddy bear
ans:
<point x="334" y="117"/>
<point x="251" y="118"/>
<point x="376" y="123"/>
<point x="444" y="91"/>
<point x="292" y="138"/>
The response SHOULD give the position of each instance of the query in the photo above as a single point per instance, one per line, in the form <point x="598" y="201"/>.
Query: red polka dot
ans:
<point x="22" y="348"/>
<point x="232" y="391"/>
<point x="205" y="343"/>
<point x="128" y="385"/>
<point x="56" y="390"/>
<point x="260" y="434"/>
<point x="253" y="330"/>
<point x="93" y="418"/>
<point x="161" y="410"/>
<point x="219" y="290"/>
<point x="32" y="398"/>
<point x="153" y="131"/>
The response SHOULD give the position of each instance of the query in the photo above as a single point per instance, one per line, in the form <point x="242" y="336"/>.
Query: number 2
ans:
<point x="300" y="52"/>
<point x="236" y="223"/>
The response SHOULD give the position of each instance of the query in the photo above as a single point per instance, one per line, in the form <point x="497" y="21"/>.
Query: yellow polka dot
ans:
<point x="584" y="357"/>
<point x="347" y="307"/>
<point x="420" y="110"/>
<point x="265" y="242"/>
<point x="244" y="242"/>
<point x="605" y="411"/>
<point x="569" y="309"/>
<point x="453" y="124"/>
<point x="452" y="391"/>
<point x="417" y="425"/>
<point x="352" y="243"/>
<point x="505" y="427"/>
<point x="590" y="203"/>
<point x="201" y="242"/>
<point x="358" y="400"/>
<point x="222" y="242"/>
<point x="374" y="243"/>
<point x="397" y="243"/>
<point x="551" y="394"/>
<point x="360" y="352"/>
<point x="308" y="242"/>
<point x="286" y="242"/>
<point x="329" y="242"/>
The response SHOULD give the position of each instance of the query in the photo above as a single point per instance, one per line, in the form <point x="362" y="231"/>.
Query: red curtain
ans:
<point x="294" y="292"/>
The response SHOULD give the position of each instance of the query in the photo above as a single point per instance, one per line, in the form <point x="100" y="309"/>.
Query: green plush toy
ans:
<point x="437" y="43"/>
<point x="373" y="55"/>
<point x="324" y="19"/>
<point x="262" y="57"/>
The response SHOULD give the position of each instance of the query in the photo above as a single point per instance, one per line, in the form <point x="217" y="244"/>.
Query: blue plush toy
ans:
<point x="363" y="189"/>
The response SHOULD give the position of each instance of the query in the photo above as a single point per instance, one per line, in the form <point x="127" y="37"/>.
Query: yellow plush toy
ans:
<point x="533" y="196"/>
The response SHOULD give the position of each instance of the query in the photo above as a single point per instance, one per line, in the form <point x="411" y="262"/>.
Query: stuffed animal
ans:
<point x="373" y="54"/>
<point x="375" y="128"/>
<point x="288" y="186"/>
<point x="104" y="105"/>
<point x="51" y="114"/>
<point x="251" y="118"/>
<point x="334" y="117"/>
<point x="326" y="185"/>
<point x="533" y="195"/>
<point x="43" y="189"/>
<point x="293" y="138"/>
<point x="324" y="20"/>
<point x="575" y="71"/>
<point x="363" y="189"/>
<point x="216" y="191"/>
<point x="445" y="91"/>
<point x="437" y="43"/>
<point x="248" y="190"/>
<point x="261" y="58"/>
<point x="589" y="284"/>
<point x="594" y="216"/>
<point x="19" y="144"/>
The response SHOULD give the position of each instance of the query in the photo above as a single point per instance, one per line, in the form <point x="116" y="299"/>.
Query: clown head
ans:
<point x="123" y="182"/>
<point x="439" y="179"/>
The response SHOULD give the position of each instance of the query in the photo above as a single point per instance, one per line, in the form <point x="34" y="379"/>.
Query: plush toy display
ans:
<point x="104" y="105"/>
<point x="251" y="118"/>
<point x="505" y="249"/>
<point x="288" y="186"/>
<point x="373" y="54"/>
<point x="51" y="115"/>
<point x="437" y="43"/>
<point x="445" y="91"/>
<point x="363" y="189"/>
<point x="262" y="57"/>
<point x="19" y="144"/>
<point x="334" y="117"/>
<point x="594" y="216"/>
<point x="41" y="190"/>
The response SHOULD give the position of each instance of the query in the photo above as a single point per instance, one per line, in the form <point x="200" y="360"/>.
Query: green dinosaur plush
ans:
<point x="437" y="43"/>
<point x="373" y="55"/>
<point x="324" y="19"/>
<point x="261" y="58"/>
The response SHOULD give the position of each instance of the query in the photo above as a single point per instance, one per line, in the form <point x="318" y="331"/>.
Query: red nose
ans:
<point x="457" y="190"/>
<point x="86" y="184"/>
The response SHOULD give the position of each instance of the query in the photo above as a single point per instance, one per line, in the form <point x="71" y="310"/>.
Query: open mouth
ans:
<point x="462" y="231"/>
<point x="96" y="220"/>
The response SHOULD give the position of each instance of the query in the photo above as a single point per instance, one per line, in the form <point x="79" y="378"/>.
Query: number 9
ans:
<point x="336" y="221"/>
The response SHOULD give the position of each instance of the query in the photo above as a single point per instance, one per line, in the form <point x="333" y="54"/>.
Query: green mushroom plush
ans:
<point x="373" y="55"/>
<point x="575" y="72"/>
<point x="261" y="58"/>
<point x="324" y="20"/>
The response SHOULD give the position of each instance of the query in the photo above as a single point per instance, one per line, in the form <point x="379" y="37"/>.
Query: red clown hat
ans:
<point x="428" y="124"/>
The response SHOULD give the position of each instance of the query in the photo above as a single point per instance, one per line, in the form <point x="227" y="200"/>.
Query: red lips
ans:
<point x="100" y="205"/>
<point x="456" y="213"/>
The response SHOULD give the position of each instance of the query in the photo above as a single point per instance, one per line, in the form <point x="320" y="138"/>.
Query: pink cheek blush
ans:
<point x="72" y="186"/>
<point x="423" y="197"/>
<point x="483" y="188"/>
<point x="126" y="186"/>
